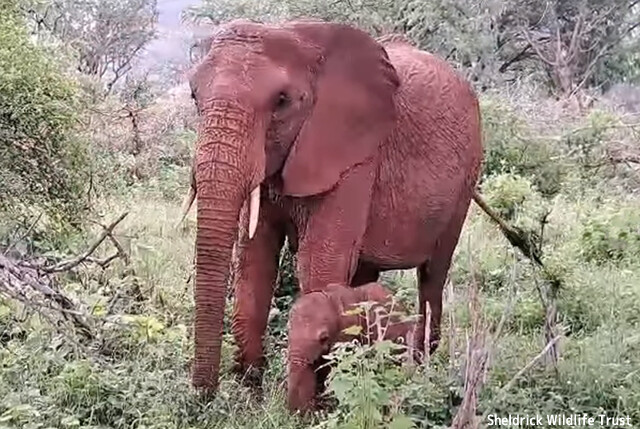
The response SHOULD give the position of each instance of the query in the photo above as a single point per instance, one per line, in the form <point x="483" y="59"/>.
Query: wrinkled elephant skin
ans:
<point x="364" y="152"/>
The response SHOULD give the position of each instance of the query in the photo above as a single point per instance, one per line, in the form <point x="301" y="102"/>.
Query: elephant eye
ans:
<point x="323" y="338"/>
<point x="282" y="100"/>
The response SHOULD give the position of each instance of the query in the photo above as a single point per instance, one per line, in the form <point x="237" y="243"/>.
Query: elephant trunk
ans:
<point x="223" y="178"/>
<point x="301" y="388"/>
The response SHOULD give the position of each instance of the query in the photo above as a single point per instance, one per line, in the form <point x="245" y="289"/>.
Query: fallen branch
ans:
<point x="25" y="284"/>
<point x="32" y="283"/>
<point x="72" y="263"/>
<point x="121" y="252"/>
<point x="103" y="262"/>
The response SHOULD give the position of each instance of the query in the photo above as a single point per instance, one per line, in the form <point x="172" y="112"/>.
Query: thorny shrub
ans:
<point x="611" y="234"/>
<point x="42" y="163"/>
<point x="510" y="147"/>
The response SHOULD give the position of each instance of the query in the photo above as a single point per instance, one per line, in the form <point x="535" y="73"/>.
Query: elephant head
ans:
<point x="318" y="321"/>
<point x="296" y="105"/>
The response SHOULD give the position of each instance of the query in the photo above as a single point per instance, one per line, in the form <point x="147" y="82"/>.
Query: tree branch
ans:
<point x="24" y="283"/>
<point x="528" y="366"/>
<point x="72" y="263"/>
<point x="23" y="236"/>
<point x="517" y="58"/>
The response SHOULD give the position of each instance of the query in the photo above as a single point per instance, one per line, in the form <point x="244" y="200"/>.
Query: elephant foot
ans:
<point x="325" y="403"/>
<point x="419" y="348"/>
<point x="433" y="345"/>
<point x="203" y="392"/>
<point x="251" y="377"/>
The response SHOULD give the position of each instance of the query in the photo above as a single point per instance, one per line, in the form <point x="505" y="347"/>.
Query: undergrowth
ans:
<point x="135" y="373"/>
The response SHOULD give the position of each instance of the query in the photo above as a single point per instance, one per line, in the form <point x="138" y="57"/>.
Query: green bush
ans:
<point x="41" y="163"/>
<point x="373" y="391"/>
<point x="510" y="148"/>
<point x="611" y="234"/>
<point x="363" y="382"/>
<point x="516" y="199"/>
<point x="403" y="284"/>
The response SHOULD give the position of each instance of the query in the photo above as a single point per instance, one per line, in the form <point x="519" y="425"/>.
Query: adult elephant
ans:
<point x="364" y="152"/>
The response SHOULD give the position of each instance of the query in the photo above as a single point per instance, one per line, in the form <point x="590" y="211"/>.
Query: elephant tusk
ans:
<point x="254" y="211"/>
<point x="186" y="205"/>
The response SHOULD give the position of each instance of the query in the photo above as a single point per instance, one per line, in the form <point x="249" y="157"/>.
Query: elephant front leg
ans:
<point x="255" y="279"/>
<point x="330" y="244"/>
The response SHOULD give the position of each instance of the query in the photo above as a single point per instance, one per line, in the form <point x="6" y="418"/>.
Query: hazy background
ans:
<point x="172" y="43"/>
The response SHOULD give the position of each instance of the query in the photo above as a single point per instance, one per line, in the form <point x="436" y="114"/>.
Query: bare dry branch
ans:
<point x="427" y="335"/>
<point x="72" y="263"/>
<point x="528" y="366"/>
<point x="576" y="35"/>
<point x="536" y="47"/>
<point x="103" y="263"/>
<point x="23" y="236"/>
<point x="121" y="252"/>
<point x="514" y="235"/>
<point x="476" y="362"/>
<point x="32" y="283"/>
<point x="452" y="327"/>
<point x="25" y="283"/>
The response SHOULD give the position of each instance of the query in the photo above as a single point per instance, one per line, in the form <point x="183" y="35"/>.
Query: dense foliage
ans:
<point x="41" y="163"/>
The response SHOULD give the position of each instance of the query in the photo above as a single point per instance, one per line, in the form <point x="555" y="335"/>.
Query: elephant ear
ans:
<point x="354" y="109"/>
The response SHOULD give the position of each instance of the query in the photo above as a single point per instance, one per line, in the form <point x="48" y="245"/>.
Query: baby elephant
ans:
<point x="316" y="323"/>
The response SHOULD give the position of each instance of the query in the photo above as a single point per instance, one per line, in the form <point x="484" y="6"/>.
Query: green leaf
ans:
<point x="353" y="312"/>
<point x="340" y="388"/>
<point x="353" y="330"/>
<point x="401" y="421"/>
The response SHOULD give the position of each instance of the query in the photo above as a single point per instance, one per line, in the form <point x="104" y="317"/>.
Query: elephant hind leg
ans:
<point x="432" y="276"/>
<point x="430" y="284"/>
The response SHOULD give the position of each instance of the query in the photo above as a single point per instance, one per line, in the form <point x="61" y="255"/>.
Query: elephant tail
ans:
<point x="516" y="236"/>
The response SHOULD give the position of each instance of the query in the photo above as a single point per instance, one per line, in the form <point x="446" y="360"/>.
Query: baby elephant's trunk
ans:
<point x="301" y="388"/>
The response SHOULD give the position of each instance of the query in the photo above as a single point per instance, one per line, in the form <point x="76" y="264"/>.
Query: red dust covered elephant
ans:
<point x="364" y="152"/>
